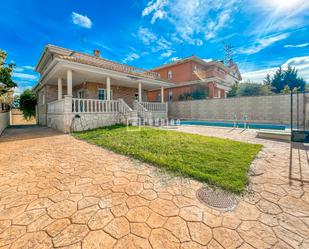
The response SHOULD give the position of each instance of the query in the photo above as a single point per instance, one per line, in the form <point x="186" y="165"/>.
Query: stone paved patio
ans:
<point x="58" y="192"/>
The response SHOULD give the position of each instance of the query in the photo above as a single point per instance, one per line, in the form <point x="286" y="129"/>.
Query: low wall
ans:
<point x="17" y="118"/>
<point x="159" y="115"/>
<point x="86" y="121"/>
<point x="263" y="109"/>
<point x="4" y="121"/>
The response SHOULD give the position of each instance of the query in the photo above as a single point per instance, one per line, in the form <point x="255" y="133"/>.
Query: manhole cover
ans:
<point x="216" y="198"/>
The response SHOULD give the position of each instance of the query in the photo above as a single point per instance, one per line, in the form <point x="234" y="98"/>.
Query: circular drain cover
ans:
<point x="216" y="198"/>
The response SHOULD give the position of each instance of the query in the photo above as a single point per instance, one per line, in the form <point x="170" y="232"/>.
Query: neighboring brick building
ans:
<point x="194" y="74"/>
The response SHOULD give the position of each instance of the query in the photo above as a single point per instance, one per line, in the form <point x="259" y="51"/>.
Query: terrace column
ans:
<point x="59" y="88"/>
<point x="162" y="94"/>
<point x="69" y="82"/>
<point x="139" y="92"/>
<point x="108" y="88"/>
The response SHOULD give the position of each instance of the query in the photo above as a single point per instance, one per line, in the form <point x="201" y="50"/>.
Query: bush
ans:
<point x="27" y="103"/>
<point x="184" y="96"/>
<point x="253" y="89"/>
<point x="199" y="93"/>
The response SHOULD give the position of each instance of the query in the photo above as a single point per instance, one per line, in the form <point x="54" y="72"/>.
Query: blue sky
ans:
<point x="264" y="33"/>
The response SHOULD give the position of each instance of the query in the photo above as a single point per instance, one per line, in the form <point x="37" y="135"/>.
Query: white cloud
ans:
<point x="155" y="8"/>
<point x="175" y="59"/>
<point x="199" y="42"/>
<point x="262" y="43"/>
<point x="168" y="53"/>
<point x="192" y="17"/>
<point x="25" y="76"/>
<point x="81" y="20"/>
<point x="131" y="57"/>
<point x="277" y="15"/>
<point x="297" y="45"/>
<point x="146" y="36"/>
<point x="218" y="24"/>
<point x="300" y="63"/>
<point x="207" y="60"/>
<point x="23" y="68"/>
<point x="157" y="43"/>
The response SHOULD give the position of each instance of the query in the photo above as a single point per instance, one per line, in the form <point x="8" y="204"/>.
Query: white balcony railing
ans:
<point x="154" y="107"/>
<point x="76" y="105"/>
<point x="95" y="106"/>
<point x="56" y="106"/>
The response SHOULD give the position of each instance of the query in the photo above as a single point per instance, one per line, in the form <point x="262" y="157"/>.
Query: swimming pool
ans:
<point x="231" y="124"/>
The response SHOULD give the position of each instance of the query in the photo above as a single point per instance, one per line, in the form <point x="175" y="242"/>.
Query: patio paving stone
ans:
<point x="59" y="192"/>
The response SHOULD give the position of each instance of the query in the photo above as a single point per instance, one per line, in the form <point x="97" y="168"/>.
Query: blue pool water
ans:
<point x="231" y="124"/>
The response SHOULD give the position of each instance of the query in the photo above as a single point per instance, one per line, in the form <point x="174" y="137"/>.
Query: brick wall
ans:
<point x="181" y="72"/>
<point x="266" y="109"/>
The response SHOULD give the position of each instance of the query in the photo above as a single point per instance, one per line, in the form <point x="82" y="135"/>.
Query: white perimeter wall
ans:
<point x="264" y="109"/>
<point x="4" y="121"/>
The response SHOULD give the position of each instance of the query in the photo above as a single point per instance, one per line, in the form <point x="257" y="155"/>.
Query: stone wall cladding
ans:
<point x="87" y="121"/>
<point x="264" y="109"/>
<point x="90" y="121"/>
<point x="4" y="121"/>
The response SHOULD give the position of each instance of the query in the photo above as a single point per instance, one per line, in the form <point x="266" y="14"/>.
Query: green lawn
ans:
<point x="219" y="162"/>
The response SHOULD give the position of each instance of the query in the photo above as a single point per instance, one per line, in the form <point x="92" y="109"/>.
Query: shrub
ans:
<point x="27" y="103"/>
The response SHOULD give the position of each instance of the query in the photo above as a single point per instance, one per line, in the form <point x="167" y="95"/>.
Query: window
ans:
<point x="170" y="96"/>
<point x="81" y="94"/>
<point x="101" y="94"/>
<point x="169" y="74"/>
<point x="158" y="98"/>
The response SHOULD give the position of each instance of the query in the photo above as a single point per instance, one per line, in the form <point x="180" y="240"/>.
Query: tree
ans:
<point x="253" y="89"/>
<point x="277" y="81"/>
<point x="289" y="78"/>
<point x="267" y="80"/>
<point x="27" y="103"/>
<point x="184" y="96"/>
<point x="233" y="91"/>
<point x="199" y="93"/>
<point x="292" y="79"/>
<point x="6" y="70"/>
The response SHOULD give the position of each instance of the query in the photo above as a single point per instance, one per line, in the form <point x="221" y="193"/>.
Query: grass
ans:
<point x="220" y="162"/>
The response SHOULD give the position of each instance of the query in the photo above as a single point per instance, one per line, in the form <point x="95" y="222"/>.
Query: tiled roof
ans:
<point x="110" y="65"/>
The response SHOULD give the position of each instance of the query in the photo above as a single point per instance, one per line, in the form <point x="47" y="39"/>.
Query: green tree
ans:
<point x="27" y="103"/>
<point x="289" y="78"/>
<point x="267" y="80"/>
<point x="233" y="91"/>
<point x="199" y="93"/>
<point x="253" y="89"/>
<point x="6" y="71"/>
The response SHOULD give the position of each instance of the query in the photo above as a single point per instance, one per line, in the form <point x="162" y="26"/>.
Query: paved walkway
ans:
<point x="58" y="192"/>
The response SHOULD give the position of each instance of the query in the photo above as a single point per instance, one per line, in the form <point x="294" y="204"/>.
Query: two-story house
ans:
<point x="192" y="73"/>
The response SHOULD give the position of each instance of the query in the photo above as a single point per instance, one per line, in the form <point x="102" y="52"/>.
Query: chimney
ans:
<point x="231" y="63"/>
<point x="96" y="53"/>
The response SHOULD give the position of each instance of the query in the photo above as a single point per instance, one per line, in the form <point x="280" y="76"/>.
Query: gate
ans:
<point x="299" y="125"/>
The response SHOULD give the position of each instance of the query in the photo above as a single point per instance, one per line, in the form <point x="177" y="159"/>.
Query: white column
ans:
<point x="162" y="94"/>
<point x="108" y="88"/>
<point x="140" y="92"/>
<point x="59" y="88"/>
<point x="69" y="83"/>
